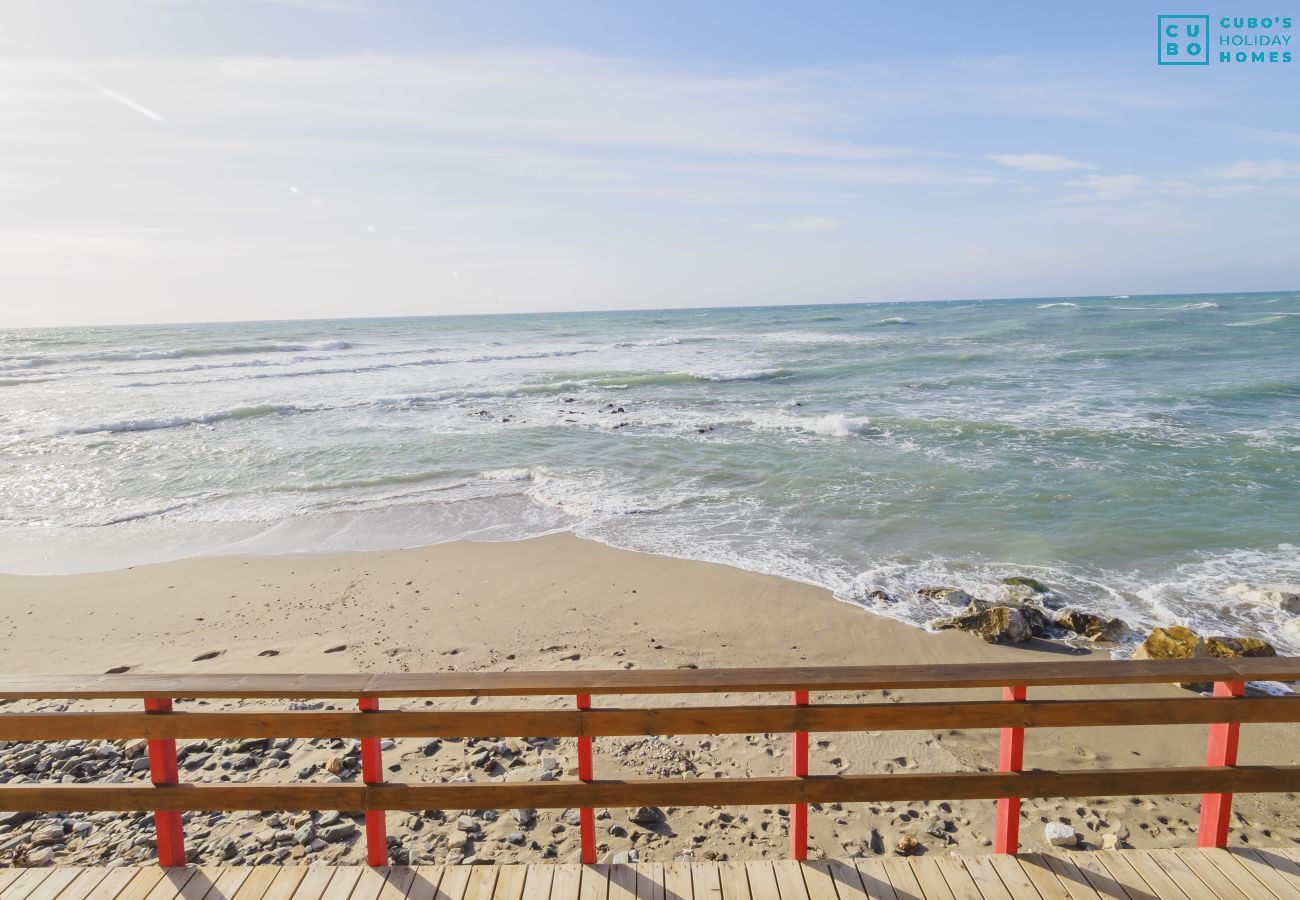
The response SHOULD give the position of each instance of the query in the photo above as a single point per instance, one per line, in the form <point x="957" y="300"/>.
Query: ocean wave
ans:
<point x="893" y="320"/>
<point x="241" y="412"/>
<point x="740" y="374"/>
<point x="1267" y="320"/>
<point x="152" y="353"/>
<point x="654" y="342"/>
<point x="1062" y="304"/>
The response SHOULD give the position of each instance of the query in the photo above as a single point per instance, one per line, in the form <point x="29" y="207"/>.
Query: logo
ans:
<point x="1183" y="40"/>
<point x="1186" y="40"/>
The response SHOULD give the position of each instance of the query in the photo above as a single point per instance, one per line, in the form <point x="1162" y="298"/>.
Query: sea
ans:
<point x="1139" y="454"/>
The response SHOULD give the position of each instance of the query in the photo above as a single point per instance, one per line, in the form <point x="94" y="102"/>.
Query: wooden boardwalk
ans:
<point x="1240" y="874"/>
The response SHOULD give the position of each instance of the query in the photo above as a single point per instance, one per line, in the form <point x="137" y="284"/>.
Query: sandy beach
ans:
<point x="559" y="602"/>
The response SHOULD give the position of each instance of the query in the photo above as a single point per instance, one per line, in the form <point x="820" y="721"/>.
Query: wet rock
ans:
<point x="1032" y="585"/>
<point x="994" y="624"/>
<point x="950" y="595"/>
<point x="1234" y="647"/>
<point x="1090" y="625"/>
<point x="1285" y="597"/>
<point x="1174" y="642"/>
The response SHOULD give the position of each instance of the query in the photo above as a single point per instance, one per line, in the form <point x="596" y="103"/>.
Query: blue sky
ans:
<point x="169" y="160"/>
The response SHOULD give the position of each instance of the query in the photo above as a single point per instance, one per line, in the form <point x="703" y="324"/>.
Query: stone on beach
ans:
<point x="951" y="595"/>
<point x="1059" y="834"/>
<point x="994" y="624"/>
<point x="1090" y="625"/>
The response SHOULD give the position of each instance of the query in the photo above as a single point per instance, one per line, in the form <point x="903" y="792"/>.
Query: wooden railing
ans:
<point x="1218" y="780"/>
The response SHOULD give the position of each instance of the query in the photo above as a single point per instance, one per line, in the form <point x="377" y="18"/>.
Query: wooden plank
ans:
<point x="818" y="879"/>
<point x="1013" y="877"/>
<point x="1035" y="866"/>
<point x="986" y="878"/>
<point x="314" y="883"/>
<point x="25" y="883"/>
<point x="875" y="880"/>
<point x="341" y="884"/>
<point x="762" y="880"/>
<point x="425" y="885"/>
<point x="902" y="876"/>
<point x="1218" y="883"/>
<point x="661" y="792"/>
<point x="706" y="880"/>
<point x="646" y="681"/>
<point x="1153" y="874"/>
<point x="172" y="883"/>
<point x="227" y="884"/>
<point x="1269" y="868"/>
<point x="258" y="881"/>
<point x="198" y="887"/>
<point x="1102" y="881"/>
<point x="1117" y="864"/>
<point x="566" y="882"/>
<point x="735" y="881"/>
<point x="1256" y="880"/>
<point x="7" y="877"/>
<point x="594" y="884"/>
<point x="929" y="876"/>
<point x="848" y="882"/>
<point x="1076" y="884"/>
<point x="960" y="881"/>
<point x="678" y="884"/>
<point x="454" y="881"/>
<point x="286" y="883"/>
<point x="399" y="882"/>
<point x="53" y="885"/>
<point x="537" y="883"/>
<point x="789" y="879"/>
<point x="85" y="881"/>
<point x="113" y="884"/>
<point x="650" y="881"/>
<point x="510" y="882"/>
<point x="1178" y="873"/>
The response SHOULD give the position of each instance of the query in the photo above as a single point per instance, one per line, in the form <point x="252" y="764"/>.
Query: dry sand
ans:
<point x="559" y="602"/>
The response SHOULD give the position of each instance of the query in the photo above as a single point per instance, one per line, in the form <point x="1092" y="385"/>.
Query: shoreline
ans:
<point x="563" y="602"/>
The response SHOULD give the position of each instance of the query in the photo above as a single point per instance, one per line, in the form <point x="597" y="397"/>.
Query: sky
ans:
<point x="203" y="160"/>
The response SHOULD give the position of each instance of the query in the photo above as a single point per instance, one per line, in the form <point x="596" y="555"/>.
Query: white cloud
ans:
<point x="1259" y="170"/>
<point x="1131" y="188"/>
<point x="1039" y="162"/>
<point x="801" y="223"/>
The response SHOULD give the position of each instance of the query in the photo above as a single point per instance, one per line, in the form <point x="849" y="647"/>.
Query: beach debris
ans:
<point x="950" y="595"/>
<point x="1059" y="834"/>
<point x="909" y="846"/>
<point x="993" y="624"/>
<point x="1090" y="625"/>
<point x="1285" y="597"/>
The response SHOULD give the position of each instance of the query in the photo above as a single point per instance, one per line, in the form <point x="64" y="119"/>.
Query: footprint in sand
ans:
<point x="339" y="649"/>
<point x="211" y="654"/>
<point x="118" y="670"/>
<point x="269" y="653"/>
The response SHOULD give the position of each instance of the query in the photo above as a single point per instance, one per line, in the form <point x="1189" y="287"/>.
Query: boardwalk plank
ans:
<point x="564" y="885"/>
<point x="1153" y="874"/>
<point x="848" y="882"/>
<point x="340" y="886"/>
<point x="1252" y="881"/>
<point x="1218" y="883"/>
<point x="789" y="880"/>
<point x="25" y="883"/>
<point x="762" y="880"/>
<point x="425" y="884"/>
<point x="510" y="883"/>
<point x="173" y="881"/>
<point x="88" y="881"/>
<point x="314" y="883"/>
<point x="959" y="880"/>
<point x="259" y="881"/>
<point x="594" y="884"/>
<point x="902" y="878"/>
<point x="225" y="887"/>
<point x="400" y="879"/>
<point x="1076" y="884"/>
<point x="7" y="877"/>
<point x="368" y="886"/>
<point x="537" y="883"/>
<point x="1102" y="881"/>
<point x="1013" y="876"/>
<point x="286" y="883"/>
<point x="1119" y="867"/>
<point x="735" y="882"/>
<point x="818" y="879"/>
<point x="198" y="887"/>
<point x="707" y="881"/>
<point x="54" y="884"/>
<point x="677" y="882"/>
<point x="875" y="880"/>
<point x="650" y="881"/>
<point x="1034" y="865"/>
<point x="1179" y="874"/>
<point x="928" y="875"/>
<point x="1266" y="864"/>
<point x="987" y="879"/>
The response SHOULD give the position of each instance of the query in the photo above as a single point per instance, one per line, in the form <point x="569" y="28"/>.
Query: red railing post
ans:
<point x="163" y="770"/>
<point x="586" y="815"/>
<point x="372" y="772"/>
<point x="1011" y="758"/>
<point x="1221" y="750"/>
<point x="799" y="769"/>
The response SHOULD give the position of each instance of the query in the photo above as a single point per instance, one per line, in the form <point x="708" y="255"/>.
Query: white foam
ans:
<point x="1050" y="305"/>
<point x="737" y="375"/>
<point x="155" y="424"/>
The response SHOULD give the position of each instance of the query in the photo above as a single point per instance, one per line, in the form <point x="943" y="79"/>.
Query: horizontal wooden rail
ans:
<point x="662" y="792"/>
<point x="621" y="722"/>
<point x="646" y="681"/>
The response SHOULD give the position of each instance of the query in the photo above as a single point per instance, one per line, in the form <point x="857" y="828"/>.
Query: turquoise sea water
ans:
<point x="1138" y="453"/>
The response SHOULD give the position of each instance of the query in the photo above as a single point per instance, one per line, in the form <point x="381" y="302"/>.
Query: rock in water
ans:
<point x="1174" y="642"/>
<point x="1058" y="834"/>
<point x="993" y="624"/>
<point x="1233" y="647"/>
<point x="1285" y="597"/>
<point x="1033" y="585"/>
<point x="951" y="595"/>
<point x="1090" y="625"/>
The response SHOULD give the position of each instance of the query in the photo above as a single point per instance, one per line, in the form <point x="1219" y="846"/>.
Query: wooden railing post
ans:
<point x="372" y="772"/>
<point x="1011" y="758"/>
<point x="586" y="815"/>
<point x="799" y="769"/>
<point x="1221" y="750"/>
<point x="163" y="770"/>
